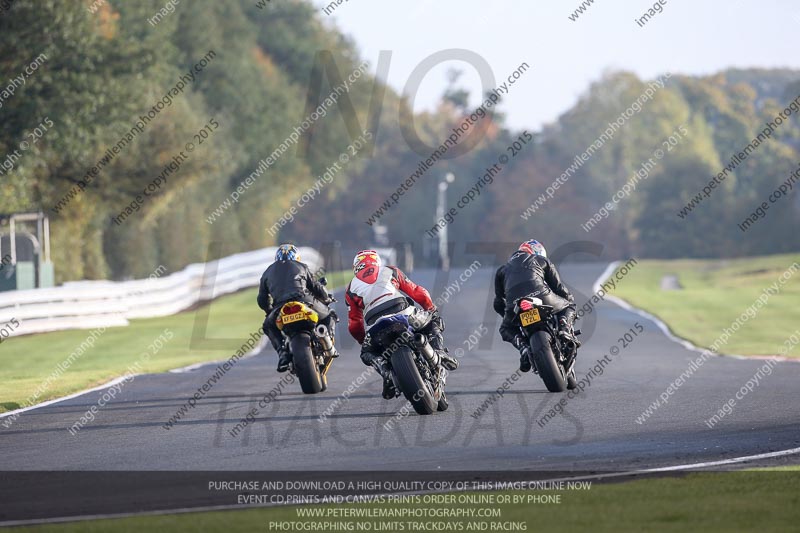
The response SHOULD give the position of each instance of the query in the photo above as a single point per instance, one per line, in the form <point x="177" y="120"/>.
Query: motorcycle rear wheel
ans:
<point x="414" y="388"/>
<point x="549" y="370"/>
<point x="305" y="366"/>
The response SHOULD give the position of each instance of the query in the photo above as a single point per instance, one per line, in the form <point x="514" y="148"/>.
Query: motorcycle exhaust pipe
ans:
<point x="421" y="343"/>
<point x="324" y="338"/>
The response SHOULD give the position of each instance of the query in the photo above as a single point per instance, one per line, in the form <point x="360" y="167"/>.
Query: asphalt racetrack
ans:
<point x="596" y="430"/>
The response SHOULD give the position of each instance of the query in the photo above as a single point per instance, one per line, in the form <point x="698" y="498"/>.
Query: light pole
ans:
<point x="444" y="257"/>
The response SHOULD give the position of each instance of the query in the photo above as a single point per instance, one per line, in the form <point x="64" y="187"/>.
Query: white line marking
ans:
<point x="182" y="370"/>
<point x="603" y="277"/>
<point x="665" y="329"/>
<point x="113" y="382"/>
<point x="71" y="396"/>
<point x="185" y="510"/>
<point x="191" y="368"/>
<point x="691" y="466"/>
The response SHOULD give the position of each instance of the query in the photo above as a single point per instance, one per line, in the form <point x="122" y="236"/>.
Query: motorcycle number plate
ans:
<point x="530" y="317"/>
<point x="296" y="317"/>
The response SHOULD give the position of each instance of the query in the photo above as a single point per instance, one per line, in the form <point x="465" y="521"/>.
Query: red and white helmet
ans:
<point x="365" y="259"/>
<point x="533" y="247"/>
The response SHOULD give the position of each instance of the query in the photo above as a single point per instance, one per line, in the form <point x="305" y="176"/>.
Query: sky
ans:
<point x="697" y="37"/>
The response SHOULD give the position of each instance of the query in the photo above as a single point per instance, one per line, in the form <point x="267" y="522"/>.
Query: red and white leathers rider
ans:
<point x="376" y="291"/>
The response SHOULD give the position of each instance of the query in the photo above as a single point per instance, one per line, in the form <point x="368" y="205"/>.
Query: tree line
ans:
<point x="272" y="66"/>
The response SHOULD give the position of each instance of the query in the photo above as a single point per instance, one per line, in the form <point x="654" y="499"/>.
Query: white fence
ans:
<point x="92" y="304"/>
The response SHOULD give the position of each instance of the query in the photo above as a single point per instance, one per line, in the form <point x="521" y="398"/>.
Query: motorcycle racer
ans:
<point x="530" y="272"/>
<point x="376" y="291"/>
<point x="285" y="280"/>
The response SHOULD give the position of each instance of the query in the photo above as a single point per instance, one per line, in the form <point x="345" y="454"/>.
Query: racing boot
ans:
<point x="521" y="344"/>
<point x="437" y="343"/>
<point x="566" y="333"/>
<point x="448" y="361"/>
<point x="330" y="325"/>
<point x="284" y="359"/>
<point x="389" y="391"/>
<point x="382" y="368"/>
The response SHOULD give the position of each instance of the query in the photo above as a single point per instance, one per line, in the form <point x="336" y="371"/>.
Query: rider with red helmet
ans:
<point x="530" y="272"/>
<point x="376" y="291"/>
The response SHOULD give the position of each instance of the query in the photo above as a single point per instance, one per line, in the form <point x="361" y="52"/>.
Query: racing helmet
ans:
<point x="287" y="252"/>
<point x="364" y="259"/>
<point x="533" y="247"/>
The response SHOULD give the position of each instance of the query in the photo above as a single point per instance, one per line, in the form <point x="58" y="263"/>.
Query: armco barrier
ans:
<point x="92" y="304"/>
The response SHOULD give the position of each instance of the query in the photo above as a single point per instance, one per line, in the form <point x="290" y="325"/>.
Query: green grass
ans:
<point x="715" y="293"/>
<point x="708" y="502"/>
<point x="26" y="362"/>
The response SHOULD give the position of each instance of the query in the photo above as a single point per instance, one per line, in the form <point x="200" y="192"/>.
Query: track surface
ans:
<point x="597" y="432"/>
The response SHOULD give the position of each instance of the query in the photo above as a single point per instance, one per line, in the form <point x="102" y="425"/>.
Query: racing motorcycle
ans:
<point x="552" y="357"/>
<point x="310" y="343"/>
<point x="416" y="367"/>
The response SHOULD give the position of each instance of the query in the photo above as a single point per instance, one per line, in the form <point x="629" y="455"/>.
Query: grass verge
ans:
<point x="714" y="294"/>
<point x="26" y="362"/>
<point x="708" y="502"/>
